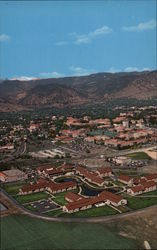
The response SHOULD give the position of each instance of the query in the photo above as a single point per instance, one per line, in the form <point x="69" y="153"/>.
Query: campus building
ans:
<point x="61" y="187"/>
<point x="125" y="180"/>
<point x="90" y="176"/>
<point x="34" y="188"/>
<point x="72" y="197"/>
<point x="50" y="170"/>
<point x="146" y="186"/>
<point x="43" y="185"/>
<point x="104" y="172"/>
<point x="103" y="198"/>
<point x="3" y="177"/>
<point x="12" y="175"/>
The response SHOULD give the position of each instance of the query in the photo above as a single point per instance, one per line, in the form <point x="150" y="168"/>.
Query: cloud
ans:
<point x="87" y="38"/>
<point x="24" y="78"/>
<point x="101" y="31"/>
<point x="150" y="25"/>
<point x="41" y="75"/>
<point x="131" y="69"/>
<point x="4" y="38"/>
<point x="78" y="71"/>
<point x="128" y="69"/>
<point x="51" y="75"/>
<point x="113" y="70"/>
<point x="62" y="43"/>
<point x="82" y="39"/>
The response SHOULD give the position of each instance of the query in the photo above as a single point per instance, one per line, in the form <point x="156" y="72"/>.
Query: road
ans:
<point x="82" y="220"/>
<point x="143" y="149"/>
<point x="19" y="151"/>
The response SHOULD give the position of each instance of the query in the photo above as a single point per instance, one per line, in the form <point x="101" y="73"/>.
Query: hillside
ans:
<point x="70" y="91"/>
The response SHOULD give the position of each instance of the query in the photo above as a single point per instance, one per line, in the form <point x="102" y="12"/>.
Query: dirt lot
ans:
<point x="152" y="168"/>
<point x="141" y="227"/>
<point x="11" y="208"/>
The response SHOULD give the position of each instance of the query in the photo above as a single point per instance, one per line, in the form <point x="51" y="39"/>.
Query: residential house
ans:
<point x="104" y="172"/>
<point x="125" y="179"/>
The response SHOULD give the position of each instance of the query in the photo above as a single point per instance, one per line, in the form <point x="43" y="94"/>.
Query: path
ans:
<point x="83" y="220"/>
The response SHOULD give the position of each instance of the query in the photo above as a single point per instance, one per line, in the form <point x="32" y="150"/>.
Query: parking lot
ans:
<point x="79" y="145"/>
<point x="43" y="206"/>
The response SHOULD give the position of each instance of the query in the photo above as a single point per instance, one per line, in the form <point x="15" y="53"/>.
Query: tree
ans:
<point x="67" y="155"/>
<point x="87" y="151"/>
<point x="56" y="157"/>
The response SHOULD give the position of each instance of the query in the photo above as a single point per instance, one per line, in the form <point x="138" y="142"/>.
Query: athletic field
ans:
<point x="21" y="233"/>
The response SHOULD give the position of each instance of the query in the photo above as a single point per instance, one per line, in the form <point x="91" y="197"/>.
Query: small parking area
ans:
<point x="43" y="206"/>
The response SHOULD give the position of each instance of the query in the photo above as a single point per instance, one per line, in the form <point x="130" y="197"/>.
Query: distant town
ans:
<point x="78" y="165"/>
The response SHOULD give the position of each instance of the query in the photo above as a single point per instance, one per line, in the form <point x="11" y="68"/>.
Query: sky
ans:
<point x="44" y="39"/>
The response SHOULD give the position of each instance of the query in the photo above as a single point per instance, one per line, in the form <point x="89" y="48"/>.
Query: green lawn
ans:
<point x="31" y="197"/>
<point x="22" y="232"/>
<point x="123" y="209"/>
<point x="139" y="156"/>
<point x="54" y="213"/>
<point x="150" y="193"/>
<point x="140" y="202"/>
<point x="11" y="188"/>
<point x="118" y="183"/>
<point x="31" y="208"/>
<point x="92" y="212"/>
<point x="59" y="198"/>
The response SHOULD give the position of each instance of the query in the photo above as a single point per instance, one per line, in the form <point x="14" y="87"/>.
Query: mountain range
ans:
<point x="18" y="95"/>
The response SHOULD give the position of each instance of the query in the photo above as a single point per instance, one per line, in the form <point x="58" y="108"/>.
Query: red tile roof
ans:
<point x="80" y="203"/>
<point x="54" y="171"/>
<point x="92" y="176"/>
<point x="33" y="187"/>
<point x="149" y="184"/>
<point x="2" y="174"/>
<point x="103" y="196"/>
<point x="42" y="168"/>
<point x="82" y="170"/>
<point x="44" y="184"/>
<point x="60" y="186"/>
<point x="67" y="167"/>
<point x="49" y="169"/>
<point x="151" y="176"/>
<point x="111" y="197"/>
<point x="143" y="186"/>
<point x="139" y="180"/>
<point x="124" y="178"/>
<point x="42" y="180"/>
<point x="72" y="197"/>
<point x="138" y="188"/>
<point x="104" y="170"/>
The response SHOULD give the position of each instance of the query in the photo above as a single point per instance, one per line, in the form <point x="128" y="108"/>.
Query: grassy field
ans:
<point x="140" y="202"/>
<point x="118" y="183"/>
<point x="12" y="188"/>
<point x="150" y="193"/>
<point x="95" y="211"/>
<point x="54" y="213"/>
<point x="139" y="156"/>
<point x="123" y="209"/>
<point x="29" y="207"/>
<point x="21" y="233"/>
<point x="59" y="198"/>
<point x="31" y="197"/>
